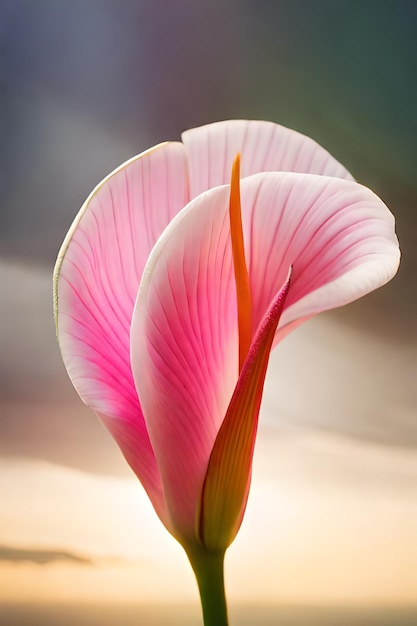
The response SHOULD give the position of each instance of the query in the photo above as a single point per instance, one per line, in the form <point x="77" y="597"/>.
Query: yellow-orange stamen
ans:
<point x="244" y="306"/>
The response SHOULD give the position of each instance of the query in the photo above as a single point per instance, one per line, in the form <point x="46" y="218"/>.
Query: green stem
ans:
<point x="208" y="569"/>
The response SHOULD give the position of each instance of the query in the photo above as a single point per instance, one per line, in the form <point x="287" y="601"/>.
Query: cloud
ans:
<point x="41" y="415"/>
<point x="327" y="376"/>
<point x="40" y="556"/>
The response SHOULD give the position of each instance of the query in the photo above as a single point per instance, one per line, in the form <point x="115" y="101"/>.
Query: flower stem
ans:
<point x="208" y="569"/>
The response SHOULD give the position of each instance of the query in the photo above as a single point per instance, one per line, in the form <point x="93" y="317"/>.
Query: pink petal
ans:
<point x="339" y="238"/>
<point x="337" y="235"/>
<point x="185" y="350"/>
<point x="263" y="146"/>
<point x="97" y="277"/>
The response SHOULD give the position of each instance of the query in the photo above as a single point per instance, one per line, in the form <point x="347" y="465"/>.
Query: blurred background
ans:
<point x="330" y="535"/>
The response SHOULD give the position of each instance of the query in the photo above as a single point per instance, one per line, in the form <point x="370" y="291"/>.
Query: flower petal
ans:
<point x="96" y="280"/>
<point x="184" y="348"/>
<point x="337" y="235"/>
<point x="227" y="481"/>
<point x="263" y="146"/>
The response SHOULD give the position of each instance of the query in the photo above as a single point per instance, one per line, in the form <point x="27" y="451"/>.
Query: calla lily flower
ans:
<point x="181" y="272"/>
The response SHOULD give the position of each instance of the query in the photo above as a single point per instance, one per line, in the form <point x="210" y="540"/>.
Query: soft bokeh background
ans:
<point x="330" y="535"/>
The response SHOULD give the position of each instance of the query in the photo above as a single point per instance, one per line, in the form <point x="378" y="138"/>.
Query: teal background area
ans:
<point x="87" y="84"/>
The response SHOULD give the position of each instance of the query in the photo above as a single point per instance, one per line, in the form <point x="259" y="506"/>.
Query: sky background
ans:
<point x="332" y="517"/>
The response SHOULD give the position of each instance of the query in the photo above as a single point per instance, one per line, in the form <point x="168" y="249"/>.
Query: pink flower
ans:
<point x="166" y="321"/>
